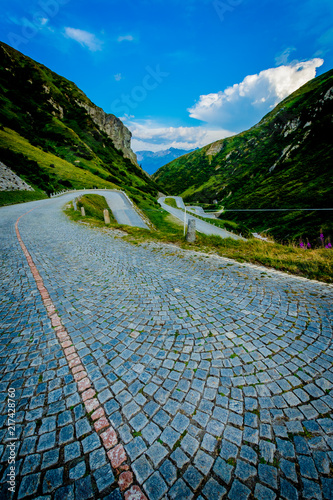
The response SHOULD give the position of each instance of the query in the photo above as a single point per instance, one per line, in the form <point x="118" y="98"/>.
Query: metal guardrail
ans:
<point x="273" y="209"/>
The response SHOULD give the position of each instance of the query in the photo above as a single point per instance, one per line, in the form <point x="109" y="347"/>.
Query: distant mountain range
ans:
<point x="150" y="161"/>
<point x="285" y="161"/>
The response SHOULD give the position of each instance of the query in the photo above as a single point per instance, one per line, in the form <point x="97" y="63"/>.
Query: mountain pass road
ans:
<point x="121" y="207"/>
<point x="151" y="372"/>
<point x="201" y="226"/>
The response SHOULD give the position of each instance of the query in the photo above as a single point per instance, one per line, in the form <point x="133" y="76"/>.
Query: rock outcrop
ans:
<point x="215" y="148"/>
<point x="62" y="91"/>
<point x="10" y="181"/>
<point x="113" y="127"/>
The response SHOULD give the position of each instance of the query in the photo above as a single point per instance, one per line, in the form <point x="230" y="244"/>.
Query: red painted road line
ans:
<point x="115" y="450"/>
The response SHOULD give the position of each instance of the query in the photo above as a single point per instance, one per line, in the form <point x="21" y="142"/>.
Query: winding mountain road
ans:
<point x="121" y="207"/>
<point x="122" y="210"/>
<point x="200" y="211"/>
<point x="201" y="226"/>
<point x="152" y="372"/>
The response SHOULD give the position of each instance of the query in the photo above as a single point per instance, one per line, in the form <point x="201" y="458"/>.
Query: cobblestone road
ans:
<point x="217" y="377"/>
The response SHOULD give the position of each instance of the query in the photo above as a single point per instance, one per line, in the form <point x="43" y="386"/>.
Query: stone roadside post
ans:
<point x="106" y="216"/>
<point x="83" y="212"/>
<point x="190" y="236"/>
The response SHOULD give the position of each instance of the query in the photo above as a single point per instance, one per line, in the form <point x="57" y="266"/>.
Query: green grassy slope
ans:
<point x="286" y="161"/>
<point x="48" y="139"/>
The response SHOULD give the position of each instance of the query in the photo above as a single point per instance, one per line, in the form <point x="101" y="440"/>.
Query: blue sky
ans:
<point x="179" y="73"/>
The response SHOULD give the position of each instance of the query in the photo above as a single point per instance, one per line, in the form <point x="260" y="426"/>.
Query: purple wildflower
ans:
<point x="308" y="245"/>
<point x="301" y="244"/>
<point x="321" y="236"/>
<point x="329" y="245"/>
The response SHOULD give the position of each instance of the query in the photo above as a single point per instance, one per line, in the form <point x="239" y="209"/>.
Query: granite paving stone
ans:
<point x="223" y="470"/>
<point x="288" y="491"/>
<point x="168" y="471"/>
<point x="169" y="436"/>
<point x="228" y="450"/>
<point x="157" y="453"/>
<point x="311" y="490"/>
<point x="193" y="478"/>
<point x="263" y="493"/>
<point x="67" y="492"/>
<point x="50" y="458"/>
<point x="97" y="458"/>
<point x="244" y="471"/>
<point x="239" y="490"/>
<point x="155" y="486"/>
<point x="268" y="475"/>
<point x="29" y="485"/>
<point x="142" y="469"/>
<point x="46" y="441"/>
<point x="30" y="464"/>
<point x="77" y="471"/>
<point x="180" y="490"/>
<point x="214" y="490"/>
<point x="327" y="486"/>
<point x="189" y="444"/>
<point x="104" y="477"/>
<point x="83" y="489"/>
<point x="53" y="479"/>
<point x="203" y="462"/>
<point x="72" y="451"/>
<point x="307" y="467"/>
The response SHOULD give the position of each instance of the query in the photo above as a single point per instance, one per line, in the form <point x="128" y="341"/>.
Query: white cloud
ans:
<point x="226" y="112"/>
<point x="283" y="57"/>
<point x="84" y="38"/>
<point x="244" y="104"/>
<point x="118" y="77"/>
<point x="127" y="38"/>
<point x="152" y="136"/>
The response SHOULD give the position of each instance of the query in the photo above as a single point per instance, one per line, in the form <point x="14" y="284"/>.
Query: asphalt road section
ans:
<point x="201" y="226"/>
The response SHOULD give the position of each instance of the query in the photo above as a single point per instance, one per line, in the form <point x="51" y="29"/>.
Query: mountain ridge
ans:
<point x="151" y="161"/>
<point x="283" y="161"/>
<point x="47" y="120"/>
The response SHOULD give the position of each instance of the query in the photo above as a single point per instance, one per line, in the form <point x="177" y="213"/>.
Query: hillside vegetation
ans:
<point x="286" y="161"/>
<point x="50" y="134"/>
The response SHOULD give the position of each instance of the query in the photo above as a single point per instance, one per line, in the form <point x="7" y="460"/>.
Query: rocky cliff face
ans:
<point x="113" y="127"/>
<point x="10" y="181"/>
<point x="110" y="124"/>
